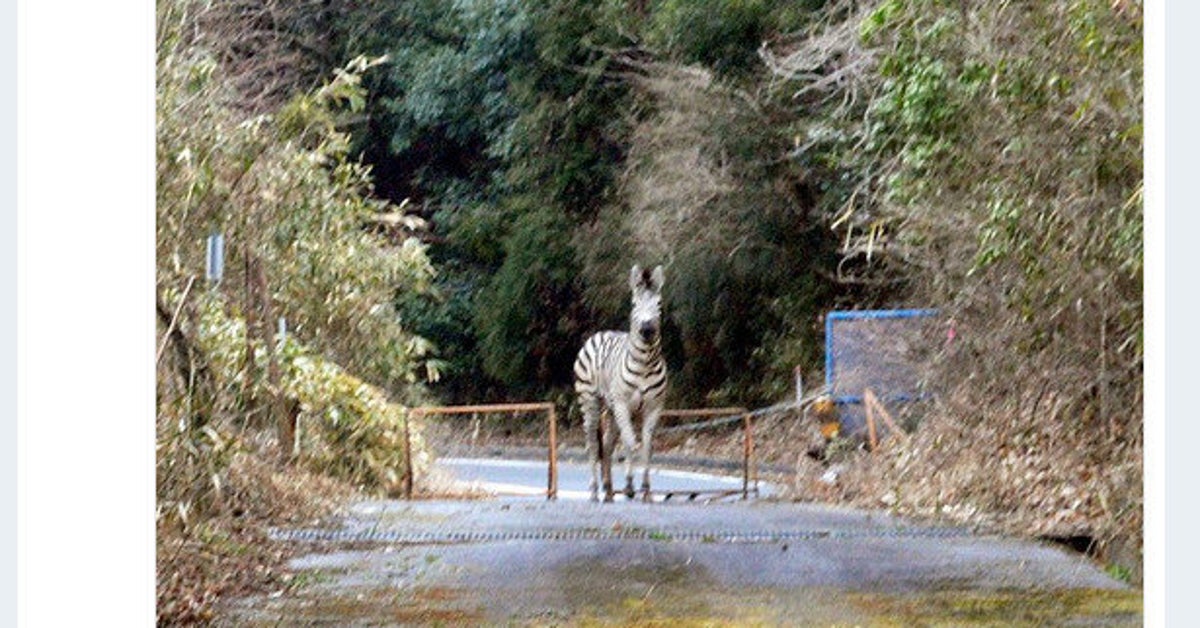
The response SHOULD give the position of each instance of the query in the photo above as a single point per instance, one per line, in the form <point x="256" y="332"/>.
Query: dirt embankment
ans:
<point x="943" y="470"/>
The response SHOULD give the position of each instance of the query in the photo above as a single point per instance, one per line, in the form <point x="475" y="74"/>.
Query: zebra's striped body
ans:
<point x="624" y="372"/>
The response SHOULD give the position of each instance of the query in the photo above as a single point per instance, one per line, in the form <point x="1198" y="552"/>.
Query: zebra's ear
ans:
<point x="635" y="277"/>
<point x="656" y="279"/>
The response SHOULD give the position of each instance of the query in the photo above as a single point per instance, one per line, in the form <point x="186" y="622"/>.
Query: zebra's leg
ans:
<point x="648" y="424"/>
<point x="608" y="440"/>
<point x="589" y="404"/>
<point x="624" y="422"/>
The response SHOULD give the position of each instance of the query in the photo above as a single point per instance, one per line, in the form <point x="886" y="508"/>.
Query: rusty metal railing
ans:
<point x="727" y="414"/>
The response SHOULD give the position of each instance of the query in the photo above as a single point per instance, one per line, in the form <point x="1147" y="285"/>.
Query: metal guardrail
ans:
<point x="726" y="415"/>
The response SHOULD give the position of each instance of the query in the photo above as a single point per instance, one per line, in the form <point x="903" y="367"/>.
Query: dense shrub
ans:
<point x="741" y="245"/>
<point x="723" y="35"/>
<point x="994" y="153"/>
<point x="295" y="212"/>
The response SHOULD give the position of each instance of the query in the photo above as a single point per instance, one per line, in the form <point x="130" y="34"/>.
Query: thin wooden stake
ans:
<point x="753" y="454"/>
<point x="251" y="315"/>
<point x="277" y="406"/>
<point x="871" y="400"/>
<point x="871" y="425"/>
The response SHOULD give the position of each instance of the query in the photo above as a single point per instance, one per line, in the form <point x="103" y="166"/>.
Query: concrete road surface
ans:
<point x="523" y="561"/>
<point x="529" y="478"/>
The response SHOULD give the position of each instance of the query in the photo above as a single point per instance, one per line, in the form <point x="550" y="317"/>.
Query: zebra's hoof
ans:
<point x="608" y="498"/>
<point x="629" y="493"/>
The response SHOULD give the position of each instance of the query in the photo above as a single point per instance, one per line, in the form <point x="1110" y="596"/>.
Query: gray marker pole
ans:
<point x="214" y="267"/>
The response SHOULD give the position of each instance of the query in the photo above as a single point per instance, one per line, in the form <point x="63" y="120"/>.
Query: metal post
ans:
<point x="408" y="465"/>
<point x="552" y="487"/>
<point x="747" y="451"/>
<point x="753" y="452"/>
<point x="214" y="260"/>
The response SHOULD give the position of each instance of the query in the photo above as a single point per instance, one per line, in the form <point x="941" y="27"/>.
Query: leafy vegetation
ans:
<point x="994" y="152"/>
<point x="526" y="156"/>
<point x="306" y="243"/>
<point x="781" y="159"/>
<point x="723" y="36"/>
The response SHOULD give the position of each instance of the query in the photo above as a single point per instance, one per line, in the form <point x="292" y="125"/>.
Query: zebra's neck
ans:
<point x="644" y="354"/>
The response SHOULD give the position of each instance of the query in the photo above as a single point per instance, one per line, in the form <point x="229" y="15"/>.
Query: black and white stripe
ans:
<point x="624" y="372"/>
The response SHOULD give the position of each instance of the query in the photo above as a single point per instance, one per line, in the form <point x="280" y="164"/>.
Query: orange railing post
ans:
<point x="408" y="465"/>
<point x="552" y="488"/>
<point x="747" y="454"/>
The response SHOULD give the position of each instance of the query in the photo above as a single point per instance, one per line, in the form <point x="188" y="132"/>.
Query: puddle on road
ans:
<point x="601" y="587"/>
<point x="667" y="588"/>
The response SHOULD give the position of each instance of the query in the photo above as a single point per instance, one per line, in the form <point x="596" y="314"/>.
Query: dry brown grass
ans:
<point x="269" y="50"/>
<point x="996" y="154"/>
<point x="947" y="471"/>
<point x="672" y="177"/>
<point x="209" y="558"/>
<point x="219" y="485"/>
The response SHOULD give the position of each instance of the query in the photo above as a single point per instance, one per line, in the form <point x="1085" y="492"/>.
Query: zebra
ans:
<point x="626" y="373"/>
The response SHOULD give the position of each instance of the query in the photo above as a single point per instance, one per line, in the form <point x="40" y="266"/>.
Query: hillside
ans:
<point x="783" y="160"/>
<point x="442" y="198"/>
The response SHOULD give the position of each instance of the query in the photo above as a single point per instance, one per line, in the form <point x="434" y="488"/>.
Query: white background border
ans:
<point x="85" y="168"/>
<point x="1173" y="323"/>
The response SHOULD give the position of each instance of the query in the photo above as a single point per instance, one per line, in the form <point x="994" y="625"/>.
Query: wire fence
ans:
<point x="884" y="351"/>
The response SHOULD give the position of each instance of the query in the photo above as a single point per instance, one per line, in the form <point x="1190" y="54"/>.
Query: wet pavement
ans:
<point x="526" y="561"/>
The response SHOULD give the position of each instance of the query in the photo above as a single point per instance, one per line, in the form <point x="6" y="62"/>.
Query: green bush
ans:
<point x="991" y="154"/>
<point x="282" y="188"/>
<point x="527" y="333"/>
<point x="721" y="34"/>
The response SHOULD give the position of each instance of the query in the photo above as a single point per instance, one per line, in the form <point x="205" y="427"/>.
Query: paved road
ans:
<point x="523" y="561"/>
<point x="529" y="478"/>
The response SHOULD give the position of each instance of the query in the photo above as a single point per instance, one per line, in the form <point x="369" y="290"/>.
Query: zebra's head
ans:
<point x="645" y="318"/>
